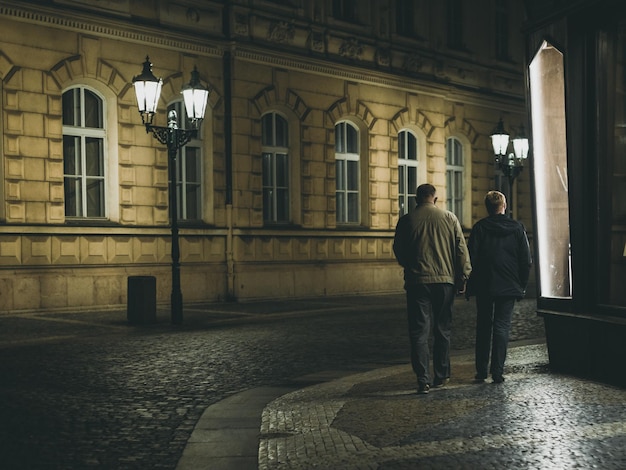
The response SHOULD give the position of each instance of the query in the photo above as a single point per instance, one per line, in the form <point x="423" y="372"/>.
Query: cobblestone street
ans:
<point x="86" y="390"/>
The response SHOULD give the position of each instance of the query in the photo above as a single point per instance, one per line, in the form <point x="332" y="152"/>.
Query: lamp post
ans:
<point x="510" y="164"/>
<point x="195" y="96"/>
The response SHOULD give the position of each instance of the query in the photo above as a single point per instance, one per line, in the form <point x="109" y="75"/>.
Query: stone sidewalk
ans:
<point x="375" y="420"/>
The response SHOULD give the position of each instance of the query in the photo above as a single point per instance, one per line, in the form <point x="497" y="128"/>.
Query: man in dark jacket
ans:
<point x="501" y="260"/>
<point x="430" y="246"/>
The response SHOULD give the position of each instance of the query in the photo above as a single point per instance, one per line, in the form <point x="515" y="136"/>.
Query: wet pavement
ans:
<point x="375" y="420"/>
<point x="318" y="383"/>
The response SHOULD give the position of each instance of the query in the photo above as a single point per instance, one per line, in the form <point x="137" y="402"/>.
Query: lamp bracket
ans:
<point x="174" y="138"/>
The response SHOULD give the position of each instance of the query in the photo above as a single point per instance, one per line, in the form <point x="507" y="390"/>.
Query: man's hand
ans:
<point x="461" y="286"/>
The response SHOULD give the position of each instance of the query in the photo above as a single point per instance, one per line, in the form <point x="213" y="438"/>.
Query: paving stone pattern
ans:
<point x="86" y="390"/>
<point x="375" y="420"/>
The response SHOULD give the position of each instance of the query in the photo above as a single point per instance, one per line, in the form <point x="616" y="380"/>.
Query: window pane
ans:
<point x="267" y="130"/>
<point x="353" y="207"/>
<point x="282" y="205"/>
<point x="72" y="196"/>
<point x="94" y="157"/>
<point x="268" y="204"/>
<point x="411" y="147"/>
<point x="341" y="206"/>
<point x="71" y="107"/>
<point x="93" y="110"/>
<point x="411" y="180"/>
<point x="281" y="170"/>
<point x="339" y="137"/>
<point x="401" y="179"/>
<point x="192" y="165"/>
<point x="458" y="194"/>
<point x="268" y="170"/>
<point x="340" y="176"/>
<point x="352" y="140"/>
<point x="458" y="153"/>
<point x="95" y="199"/>
<point x="281" y="132"/>
<point x="402" y="144"/>
<point x="458" y="184"/>
<point x="353" y="175"/>
<point x="71" y="155"/>
<point x="192" y="199"/>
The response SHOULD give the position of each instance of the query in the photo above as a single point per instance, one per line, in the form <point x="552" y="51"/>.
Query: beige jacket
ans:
<point x="430" y="246"/>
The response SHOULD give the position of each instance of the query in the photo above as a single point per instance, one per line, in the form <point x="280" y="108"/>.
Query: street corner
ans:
<point x="377" y="416"/>
<point x="387" y="410"/>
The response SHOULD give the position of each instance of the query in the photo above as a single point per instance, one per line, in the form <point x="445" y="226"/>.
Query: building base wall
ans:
<point x="260" y="281"/>
<point x="587" y="346"/>
<point x="105" y="288"/>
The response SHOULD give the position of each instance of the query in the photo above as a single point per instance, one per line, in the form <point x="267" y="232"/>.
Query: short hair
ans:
<point x="425" y="192"/>
<point x="494" y="201"/>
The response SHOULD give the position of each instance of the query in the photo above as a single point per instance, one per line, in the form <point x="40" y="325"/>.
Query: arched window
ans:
<point x="84" y="139"/>
<point x="188" y="170"/>
<point x="347" y="172"/>
<point x="275" y="143"/>
<point x="407" y="170"/>
<point x="455" y="176"/>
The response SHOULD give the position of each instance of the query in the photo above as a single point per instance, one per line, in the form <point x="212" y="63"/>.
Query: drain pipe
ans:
<point x="228" y="155"/>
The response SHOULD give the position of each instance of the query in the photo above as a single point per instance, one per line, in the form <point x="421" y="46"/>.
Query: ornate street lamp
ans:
<point x="195" y="95"/>
<point x="510" y="164"/>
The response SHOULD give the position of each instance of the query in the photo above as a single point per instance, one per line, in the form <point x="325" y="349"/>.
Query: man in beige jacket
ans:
<point x="430" y="246"/>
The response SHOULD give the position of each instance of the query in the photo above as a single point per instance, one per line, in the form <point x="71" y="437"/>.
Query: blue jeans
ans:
<point x="493" y="324"/>
<point x="426" y="302"/>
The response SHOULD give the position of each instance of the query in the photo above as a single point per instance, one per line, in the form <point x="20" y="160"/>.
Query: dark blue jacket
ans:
<point x="500" y="255"/>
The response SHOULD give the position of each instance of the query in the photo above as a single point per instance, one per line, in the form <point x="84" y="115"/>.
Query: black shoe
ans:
<point x="479" y="379"/>
<point x="498" y="379"/>
<point x="423" y="389"/>
<point x="441" y="383"/>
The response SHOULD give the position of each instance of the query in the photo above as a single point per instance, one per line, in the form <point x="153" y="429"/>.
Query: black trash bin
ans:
<point x="141" y="306"/>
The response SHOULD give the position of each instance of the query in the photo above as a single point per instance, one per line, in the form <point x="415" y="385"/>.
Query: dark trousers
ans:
<point x="493" y="324"/>
<point x="428" y="303"/>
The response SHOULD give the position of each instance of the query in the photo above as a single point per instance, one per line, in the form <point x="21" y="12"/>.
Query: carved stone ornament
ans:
<point x="280" y="31"/>
<point x="193" y="15"/>
<point x="241" y="25"/>
<point x="316" y="42"/>
<point x="383" y="56"/>
<point x="351" y="49"/>
<point x="413" y="63"/>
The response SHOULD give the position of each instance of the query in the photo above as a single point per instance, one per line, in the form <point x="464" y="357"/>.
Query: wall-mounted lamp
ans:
<point x="195" y="96"/>
<point x="511" y="164"/>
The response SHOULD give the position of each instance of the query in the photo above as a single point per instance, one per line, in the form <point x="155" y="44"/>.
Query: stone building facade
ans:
<point x="323" y="115"/>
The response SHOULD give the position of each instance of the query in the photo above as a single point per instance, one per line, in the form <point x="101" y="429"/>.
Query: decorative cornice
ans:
<point x="380" y="78"/>
<point x="108" y="28"/>
<point x="352" y="49"/>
